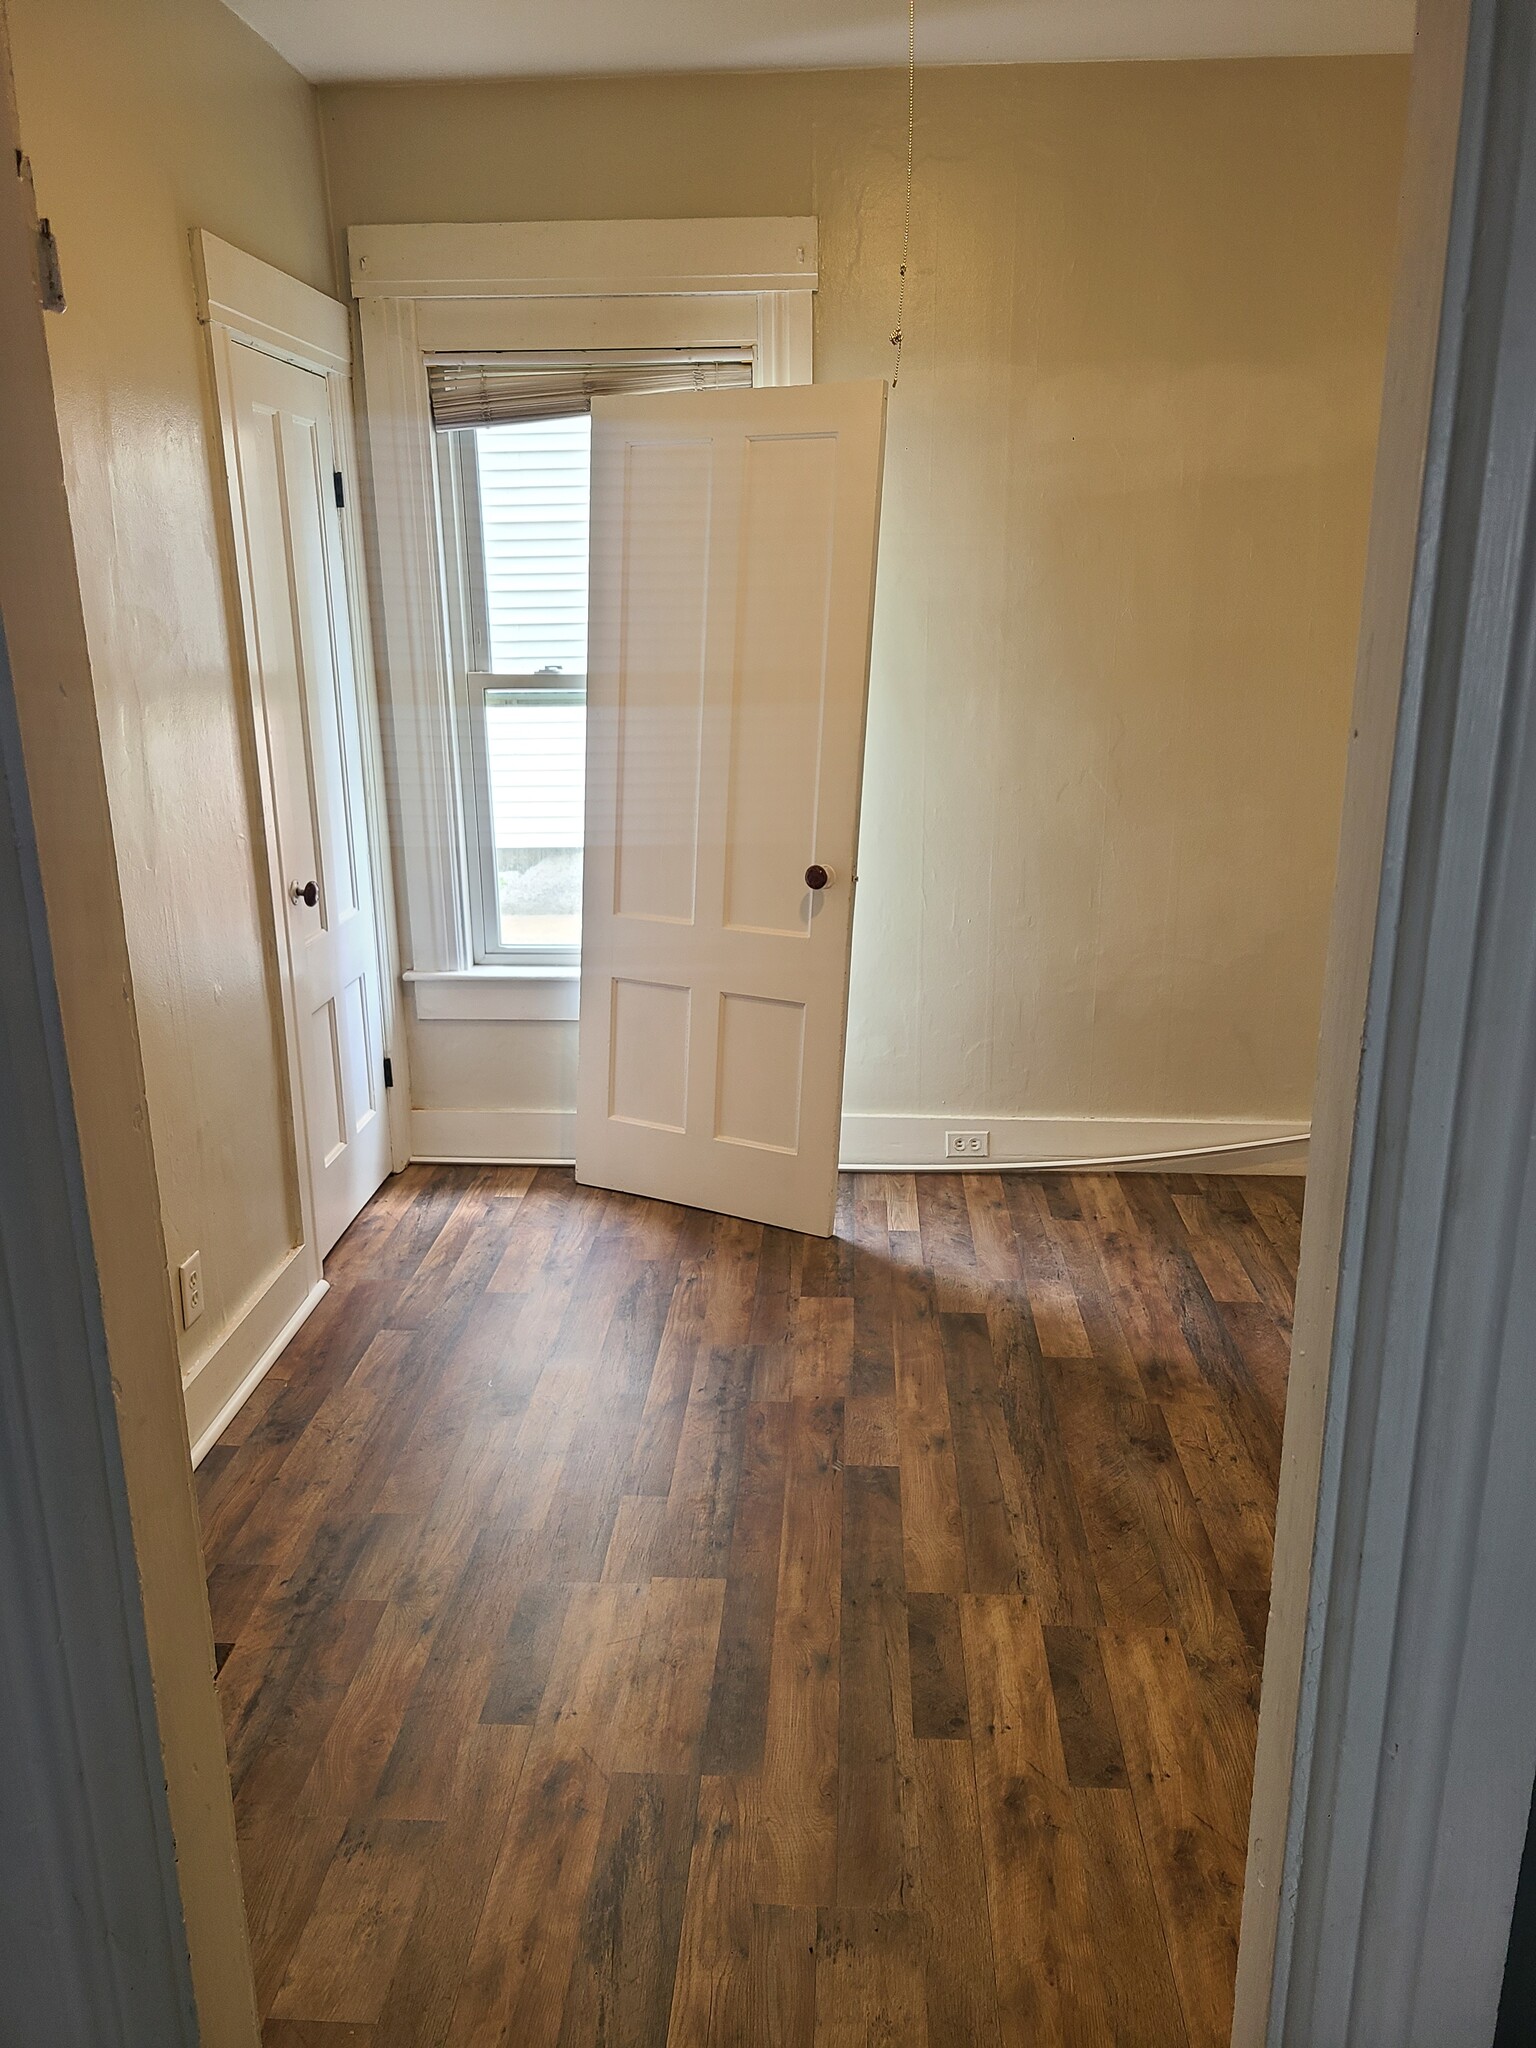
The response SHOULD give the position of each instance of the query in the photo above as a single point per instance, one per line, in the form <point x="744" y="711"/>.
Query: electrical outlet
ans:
<point x="190" y="1273"/>
<point x="967" y="1144"/>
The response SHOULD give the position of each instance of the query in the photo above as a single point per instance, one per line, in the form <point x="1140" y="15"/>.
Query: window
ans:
<point x="520" y="490"/>
<point x="515" y="438"/>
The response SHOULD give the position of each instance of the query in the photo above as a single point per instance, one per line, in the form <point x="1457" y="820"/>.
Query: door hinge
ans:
<point x="341" y="490"/>
<point x="389" y="1071"/>
<point x="48" y="276"/>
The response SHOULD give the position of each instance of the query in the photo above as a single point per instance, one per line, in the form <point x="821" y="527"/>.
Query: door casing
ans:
<point x="243" y="301"/>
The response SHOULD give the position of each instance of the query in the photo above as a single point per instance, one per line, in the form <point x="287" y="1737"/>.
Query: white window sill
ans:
<point x="497" y="994"/>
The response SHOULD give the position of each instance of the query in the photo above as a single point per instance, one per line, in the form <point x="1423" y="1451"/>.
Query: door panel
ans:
<point x="648" y="1063"/>
<point x="788" y="531"/>
<point x="664" y="585"/>
<point x="306" y="690"/>
<point x="733" y="555"/>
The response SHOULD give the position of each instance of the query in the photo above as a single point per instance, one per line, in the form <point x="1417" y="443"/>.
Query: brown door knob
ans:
<point x="817" y="877"/>
<point x="304" y="892"/>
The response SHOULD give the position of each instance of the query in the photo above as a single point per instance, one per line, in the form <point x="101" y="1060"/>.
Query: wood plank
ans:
<point x="821" y="1334"/>
<point x="1023" y="1531"/>
<point x="353" y="1937"/>
<point x="1264" y="1345"/>
<point x="620" y="1990"/>
<point x="1221" y="1268"/>
<point x="869" y="1979"/>
<point x="1090" y="1740"/>
<point x="901" y="1202"/>
<point x="1166" y="1256"/>
<point x="420" y="1777"/>
<point x="1112" y="1503"/>
<point x="522" y="1667"/>
<point x="417" y="2010"/>
<point x="945" y="1227"/>
<point x="795" y="1831"/>
<point x="876" y="1819"/>
<point x="660" y="1717"/>
<point x="1152" y="1331"/>
<point x="779" y="1992"/>
<point x="284" y="1857"/>
<point x="1235" y="1500"/>
<point x="871" y="1376"/>
<point x="736" y="1730"/>
<point x="940" y="1707"/>
<point x="1192" y="1805"/>
<point x="1052" y="1298"/>
<point x="1129" y="1943"/>
<point x="959" y="1976"/>
<point x="515" y="1982"/>
<point x="932" y="1528"/>
<point x="1037" y="1475"/>
<point x="1049" y="1980"/>
<point x="778" y="1289"/>
<point x="701" y="1502"/>
<point x="992" y="1558"/>
<point x="869" y="1430"/>
<point x="710" y="1987"/>
<point x="351" y="1760"/>
<point x="272" y="1754"/>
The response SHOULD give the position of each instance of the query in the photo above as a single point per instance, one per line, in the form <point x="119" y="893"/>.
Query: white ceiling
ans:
<point x="336" y="39"/>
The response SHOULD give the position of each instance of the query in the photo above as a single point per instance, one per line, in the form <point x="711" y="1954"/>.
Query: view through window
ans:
<point x="533" y="489"/>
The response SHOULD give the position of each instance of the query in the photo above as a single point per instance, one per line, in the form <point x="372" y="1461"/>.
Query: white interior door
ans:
<point x="305" y="688"/>
<point x="733" y="570"/>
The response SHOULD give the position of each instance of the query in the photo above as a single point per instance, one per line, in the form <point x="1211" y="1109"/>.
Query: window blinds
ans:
<point x="540" y="385"/>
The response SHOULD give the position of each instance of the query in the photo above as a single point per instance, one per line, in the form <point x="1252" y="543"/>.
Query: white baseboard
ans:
<point x="218" y="1389"/>
<point x="900" y="1144"/>
<point x="1182" y="1144"/>
<point x="494" y="1137"/>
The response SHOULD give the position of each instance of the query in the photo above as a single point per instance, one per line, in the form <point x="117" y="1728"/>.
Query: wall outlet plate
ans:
<point x="190" y="1274"/>
<point x="967" y="1144"/>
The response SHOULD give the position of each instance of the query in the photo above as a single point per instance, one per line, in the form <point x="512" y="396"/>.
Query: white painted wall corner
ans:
<point x="217" y="1389"/>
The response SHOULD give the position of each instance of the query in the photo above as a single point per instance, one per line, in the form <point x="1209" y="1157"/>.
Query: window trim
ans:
<point x="428" y="290"/>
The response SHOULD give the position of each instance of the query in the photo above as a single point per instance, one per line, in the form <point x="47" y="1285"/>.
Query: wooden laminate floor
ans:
<point x="638" y="1627"/>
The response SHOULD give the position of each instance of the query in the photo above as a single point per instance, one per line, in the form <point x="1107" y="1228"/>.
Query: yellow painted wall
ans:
<point x="1129" y="470"/>
<point x="143" y="122"/>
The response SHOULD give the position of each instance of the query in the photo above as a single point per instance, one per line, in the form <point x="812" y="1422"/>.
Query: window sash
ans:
<point x="490" y="949"/>
<point x="463" y="541"/>
<point x="469" y="649"/>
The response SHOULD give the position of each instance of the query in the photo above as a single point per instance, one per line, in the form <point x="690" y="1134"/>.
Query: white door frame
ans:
<point x="111" y="1729"/>
<point x="1397" y="1745"/>
<point x="443" y="288"/>
<point x="241" y="299"/>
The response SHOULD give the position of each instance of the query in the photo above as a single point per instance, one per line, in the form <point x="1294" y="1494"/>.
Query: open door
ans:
<point x="733" y="571"/>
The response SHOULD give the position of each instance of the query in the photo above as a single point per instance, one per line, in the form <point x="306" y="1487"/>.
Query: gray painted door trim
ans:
<point x="1416" y="1739"/>
<point x="93" y="1950"/>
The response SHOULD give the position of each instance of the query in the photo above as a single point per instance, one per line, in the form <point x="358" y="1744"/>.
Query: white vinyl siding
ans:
<point x="536" y="752"/>
<point x="534" y="490"/>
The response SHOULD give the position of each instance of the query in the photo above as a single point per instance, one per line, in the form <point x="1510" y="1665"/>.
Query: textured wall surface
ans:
<point x="143" y="123"/>
<point x="1129" y="470"/>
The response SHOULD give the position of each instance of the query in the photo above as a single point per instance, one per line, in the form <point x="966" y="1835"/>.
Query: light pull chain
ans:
<point x="906" y="215"/>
